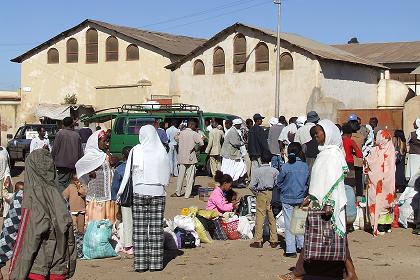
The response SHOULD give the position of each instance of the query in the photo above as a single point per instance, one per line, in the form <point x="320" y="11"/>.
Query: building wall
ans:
<point x="247" y="93"/>
<point x="324" y="86"/>
<point x="50" y="83"/>
<point x="345" y="86"/>
<point x="8" y="114"/>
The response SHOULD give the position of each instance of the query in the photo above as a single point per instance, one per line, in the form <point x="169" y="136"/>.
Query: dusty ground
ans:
<point x="393" y="256"/>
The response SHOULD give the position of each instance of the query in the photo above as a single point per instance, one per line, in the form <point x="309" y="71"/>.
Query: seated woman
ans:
<point x="217" y="200"/>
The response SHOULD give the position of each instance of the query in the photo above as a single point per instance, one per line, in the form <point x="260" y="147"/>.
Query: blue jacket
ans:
<point x="292" y="182"/>
<point x="116" y="180"/>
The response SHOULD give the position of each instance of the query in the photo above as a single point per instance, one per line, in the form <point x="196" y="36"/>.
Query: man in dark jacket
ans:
<point x="257" y="142"/>
<point x="66" y="151"/>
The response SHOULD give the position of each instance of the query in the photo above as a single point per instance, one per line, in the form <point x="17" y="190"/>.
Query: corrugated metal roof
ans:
<point x="171" y="44"/>
<point x="314" y="47"/>
<point x="397" y="52"/>
<point x="416" y="71"/>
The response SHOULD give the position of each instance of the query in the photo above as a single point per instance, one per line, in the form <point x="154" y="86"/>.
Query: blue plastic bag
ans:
<point x="96" y="241"/>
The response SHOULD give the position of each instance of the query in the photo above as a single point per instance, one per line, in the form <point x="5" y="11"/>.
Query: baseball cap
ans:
<point x="258" y="117"/>
<point x="237" y="121"/>
<point x="352" y="117"/>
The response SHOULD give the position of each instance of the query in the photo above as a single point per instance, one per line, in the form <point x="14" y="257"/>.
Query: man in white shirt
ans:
<point x="40" y="142"/>
<point x="172" y="154"/>
<point x="303" y="134"/>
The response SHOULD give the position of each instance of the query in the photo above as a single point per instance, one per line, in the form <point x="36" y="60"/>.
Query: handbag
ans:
<point x="322" y="243"/>
<point x="298" y="221"/>
<point x="126" y="198"/>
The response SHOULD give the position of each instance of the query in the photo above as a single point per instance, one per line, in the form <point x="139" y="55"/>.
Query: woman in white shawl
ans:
<point x="149" y="164"/>
<point x="413" y="163"/>
<point x="5" y="179"/>
<point x="94" y="170"/>
<point x="326" y="189"/>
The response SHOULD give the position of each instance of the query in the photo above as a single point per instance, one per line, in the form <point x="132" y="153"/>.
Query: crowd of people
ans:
<point x="305" y="163"/>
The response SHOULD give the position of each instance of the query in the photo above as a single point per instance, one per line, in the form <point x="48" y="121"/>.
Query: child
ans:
<point x="126" y="212"/>
<point x="75" y="194"/>
<point x="262" y="183"/>
<point x="218" y="200"/>
<point x="292" y="183"/>
<point x="11" y="226"/>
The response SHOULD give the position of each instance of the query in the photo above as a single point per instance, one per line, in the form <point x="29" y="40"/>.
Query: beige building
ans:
<point x="400" y="57"/>
<point x="9" y="106"/>
<point x="235" y="72"/>
<point x="105" y="65"/>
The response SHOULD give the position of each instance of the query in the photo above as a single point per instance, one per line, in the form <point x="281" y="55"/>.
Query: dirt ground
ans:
<point x="393" y="256"/>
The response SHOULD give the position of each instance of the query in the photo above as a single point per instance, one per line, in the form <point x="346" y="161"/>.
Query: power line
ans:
<point x="217" y="16"/>
<point x="225" y="6"/>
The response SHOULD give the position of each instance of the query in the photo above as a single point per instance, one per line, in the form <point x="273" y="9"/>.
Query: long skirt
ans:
<point x="148" y="232"/>
<point x="413" y="165"/>
<point x="235" y="168"/>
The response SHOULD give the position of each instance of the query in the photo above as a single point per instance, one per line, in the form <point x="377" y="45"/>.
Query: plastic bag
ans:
<point x="203" y="234"/>
<point x="298" y="222"/>
<point x="208" y="214"/>
<point x="96" y="240"/>
<point x="280" y="223"/>
<point x="184" y="222"/>
<point x="406" y="208"/>
<point x="245" y="228"/>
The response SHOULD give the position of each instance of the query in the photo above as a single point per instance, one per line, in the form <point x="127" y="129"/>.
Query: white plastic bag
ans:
<point x="406" y="208"/>
<point x="184" y="222"/>
<point x="280" y="223"/>
<point x="245" y="227"/>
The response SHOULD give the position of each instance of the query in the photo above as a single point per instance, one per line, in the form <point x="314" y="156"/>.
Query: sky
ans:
<point x="26" y="23"/>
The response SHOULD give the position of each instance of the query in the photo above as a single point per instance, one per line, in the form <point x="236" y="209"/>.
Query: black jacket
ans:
<point x="257" y="141"/>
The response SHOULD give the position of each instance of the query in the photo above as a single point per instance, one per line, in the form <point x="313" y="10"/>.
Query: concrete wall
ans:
<point x="324" y="86"/>
<point x="392" y="93"/>
<point x="9" y="105"/>
<point x="345" y="86"/>
<point x="246" y="93"/>
<point x="50" y="83"/>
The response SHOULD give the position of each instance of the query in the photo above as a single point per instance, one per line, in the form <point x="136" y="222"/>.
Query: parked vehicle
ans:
<point x="127" y="120"/>
<point x="18" y="146"/>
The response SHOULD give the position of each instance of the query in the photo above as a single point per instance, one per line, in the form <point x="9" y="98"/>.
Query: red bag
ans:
<point x="230" y="229"/>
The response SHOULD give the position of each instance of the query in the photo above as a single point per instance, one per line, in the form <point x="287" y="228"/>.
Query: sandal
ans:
<point x="288" y="276"/>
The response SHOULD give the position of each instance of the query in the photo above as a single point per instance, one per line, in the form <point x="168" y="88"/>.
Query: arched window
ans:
<point x="132" y="52"/>
<point x="53" y="56"/>
<point x="91" y="46"/>
<point x="111" y="49"/>
<point x="218" y="61"/>
<point x="261" y="57"/>
<point x="199" y="67"/>
<point x="239" y="53"/>
<point x="286" y="61"/>
<point x="72" y="50"/>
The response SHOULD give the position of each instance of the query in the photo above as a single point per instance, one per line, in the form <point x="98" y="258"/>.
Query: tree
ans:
<point x="353" y="41"/>
<point x="70" y="99"/>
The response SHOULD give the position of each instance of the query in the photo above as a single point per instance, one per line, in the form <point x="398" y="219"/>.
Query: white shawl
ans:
<point x="4" y="163"/>
<point x="93" y="158"/>
<point x="150" y="161"/>
<point x="327" y="177"/>
<point x="418" y="129"/>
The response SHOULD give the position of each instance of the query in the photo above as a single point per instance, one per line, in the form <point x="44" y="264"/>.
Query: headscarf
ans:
<point x="273" y="121"/>
<point x="327" y="177"/>
<point x="4" y="163"/>
<point x="418" y="129"/>
<point x="300" y="121"/>
<point x="93" y="158"/>
<point x="46" y="221"/>
<point x="150" y="160"/>
<point x="381" y="172"/>
<point x="370" y="140"/>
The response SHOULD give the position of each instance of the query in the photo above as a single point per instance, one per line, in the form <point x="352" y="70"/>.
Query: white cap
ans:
<point x="273" y="121"/>
<point x="301" y="121"/>
<point x="237" y="121"/>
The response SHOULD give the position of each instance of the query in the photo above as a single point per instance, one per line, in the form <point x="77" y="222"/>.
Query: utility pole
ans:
<point x="277" y="92"/>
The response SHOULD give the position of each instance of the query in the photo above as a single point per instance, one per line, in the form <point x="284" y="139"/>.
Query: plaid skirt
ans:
<point x="322" y="243"/>
<point x="148" y="214"/>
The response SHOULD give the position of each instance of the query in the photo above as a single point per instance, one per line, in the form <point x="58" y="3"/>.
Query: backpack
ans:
<point x="247" y="206"/>
<point x="185" y="239"/>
